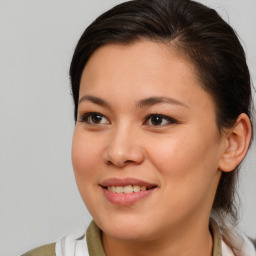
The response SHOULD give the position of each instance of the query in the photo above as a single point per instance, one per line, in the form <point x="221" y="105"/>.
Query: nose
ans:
<point x="123" y="149"/>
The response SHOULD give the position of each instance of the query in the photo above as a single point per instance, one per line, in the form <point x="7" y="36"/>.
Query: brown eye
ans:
<point x="159" y="120"/>
<point x="156" y="120"/>
<point x="94" y="118"/>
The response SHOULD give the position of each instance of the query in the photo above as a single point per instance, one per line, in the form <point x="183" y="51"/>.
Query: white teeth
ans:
<point x="136" y="188"/>
<point x="126" y="189"/>
<point x="119" y="189"/>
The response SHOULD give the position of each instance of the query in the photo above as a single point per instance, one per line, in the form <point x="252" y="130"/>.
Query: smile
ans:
<point x="127" y="189"/>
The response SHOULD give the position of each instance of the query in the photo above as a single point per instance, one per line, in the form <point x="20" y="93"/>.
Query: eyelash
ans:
<point x="169" y="120"/>
<point x="163" y="117"/>
<point x="84" y="118"/>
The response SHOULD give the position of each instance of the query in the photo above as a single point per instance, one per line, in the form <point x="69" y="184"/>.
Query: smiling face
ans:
<point x="147" y="130"/>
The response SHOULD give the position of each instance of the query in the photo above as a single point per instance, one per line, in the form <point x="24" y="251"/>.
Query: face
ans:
<point x="146" y="147"/>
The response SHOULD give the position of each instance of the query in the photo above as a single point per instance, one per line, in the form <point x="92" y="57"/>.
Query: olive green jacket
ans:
<point x="45" y="250"/>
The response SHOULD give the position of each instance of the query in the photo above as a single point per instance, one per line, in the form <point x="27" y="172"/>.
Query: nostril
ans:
<point x="120" y="163"/>
<point x="109" y="162"/>
<point x="129" y="161"/>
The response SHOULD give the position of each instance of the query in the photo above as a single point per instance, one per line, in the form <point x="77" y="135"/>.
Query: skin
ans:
<point x="181" y="157"/>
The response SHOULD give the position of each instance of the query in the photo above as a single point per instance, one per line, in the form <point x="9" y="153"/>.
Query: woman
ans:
<point x="162" y="99"/>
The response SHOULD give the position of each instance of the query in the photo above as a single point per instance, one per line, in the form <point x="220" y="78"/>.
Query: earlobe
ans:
<point x="237" y="143"/>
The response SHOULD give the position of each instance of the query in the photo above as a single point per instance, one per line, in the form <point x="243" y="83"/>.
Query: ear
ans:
<point x="237" y="140"/>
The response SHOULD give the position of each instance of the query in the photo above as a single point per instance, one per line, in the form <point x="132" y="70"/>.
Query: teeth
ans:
<point x="111" y="189"/>
<point x="136" y="188"/>
<point x="126" y="189"/>
<point x="143" y="188"/>
<point x="119" y="189"/>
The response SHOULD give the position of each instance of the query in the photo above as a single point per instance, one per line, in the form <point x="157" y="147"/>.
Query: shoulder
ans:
<point x="45" y="250"/>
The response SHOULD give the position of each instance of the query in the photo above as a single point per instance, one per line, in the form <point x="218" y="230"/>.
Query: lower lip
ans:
<point x="126" y="199"/>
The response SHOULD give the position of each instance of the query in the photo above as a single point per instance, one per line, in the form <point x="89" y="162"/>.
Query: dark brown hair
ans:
<point x="201" y="36"/>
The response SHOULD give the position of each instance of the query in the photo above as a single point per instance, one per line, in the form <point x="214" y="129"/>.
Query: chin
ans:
<point x="127" y="228"/>
<point x="127" y="234"/>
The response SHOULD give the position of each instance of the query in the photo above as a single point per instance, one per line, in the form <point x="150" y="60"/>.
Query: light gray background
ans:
<point x="39" y="201"/>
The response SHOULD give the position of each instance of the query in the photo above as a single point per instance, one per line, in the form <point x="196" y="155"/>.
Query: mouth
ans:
<point x="126" y="191"/>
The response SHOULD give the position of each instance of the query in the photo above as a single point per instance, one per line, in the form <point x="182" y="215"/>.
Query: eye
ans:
<point x="159" y="120"/>
<point x="94" y="118"/>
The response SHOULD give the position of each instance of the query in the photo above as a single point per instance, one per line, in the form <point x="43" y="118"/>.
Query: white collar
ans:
<point x="72" y="245"/>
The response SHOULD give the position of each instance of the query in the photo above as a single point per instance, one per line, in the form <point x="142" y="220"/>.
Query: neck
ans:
<point x="185" y="241"/>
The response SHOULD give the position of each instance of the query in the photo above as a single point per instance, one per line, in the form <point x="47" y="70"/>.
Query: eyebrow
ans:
<point x="94" y="100"/>
<point x="157" y="100"/>
<point x="140" y="104"/>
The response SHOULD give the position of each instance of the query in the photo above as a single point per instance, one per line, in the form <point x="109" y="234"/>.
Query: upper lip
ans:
<point x="125" y="182"/>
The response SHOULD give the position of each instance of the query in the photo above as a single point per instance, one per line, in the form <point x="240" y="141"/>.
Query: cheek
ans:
<point x="187" y="167"/>
<point x="188" y="156"/>
<point x="86" y="151"/>
<point x="85" y="159"/>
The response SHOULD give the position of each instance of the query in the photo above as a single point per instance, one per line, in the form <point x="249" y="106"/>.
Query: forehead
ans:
<point x="143" y="68"/>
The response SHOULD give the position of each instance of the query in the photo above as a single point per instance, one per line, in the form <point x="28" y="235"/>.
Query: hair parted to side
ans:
<point x="200" y="35"/>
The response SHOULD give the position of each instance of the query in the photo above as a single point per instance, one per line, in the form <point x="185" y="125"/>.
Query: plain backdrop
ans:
<point x="39" y="201"/>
